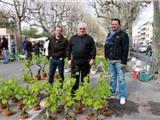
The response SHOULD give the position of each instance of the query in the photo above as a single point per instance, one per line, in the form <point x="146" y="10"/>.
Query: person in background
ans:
<point x="5" y="51"/>
<point x="24" y="44"/>
<point x="37" y="48"/>
<point x="116" y="52"/>
<point x="81" y="52"/>
<point x="13" y="47"/>
<point x="57" y="53"/>
<point x="29" y="48"/>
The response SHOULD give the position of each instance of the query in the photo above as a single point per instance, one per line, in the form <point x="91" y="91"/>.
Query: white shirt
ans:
<point x="46" y="47"/>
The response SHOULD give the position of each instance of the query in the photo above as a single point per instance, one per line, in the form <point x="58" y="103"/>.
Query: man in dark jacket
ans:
<point x="81" y="52"/>
<point x="116" y="52"/>
<point x="5" y="50"/>
<point x="29" y="48"/>
<point x="57" y="52"/>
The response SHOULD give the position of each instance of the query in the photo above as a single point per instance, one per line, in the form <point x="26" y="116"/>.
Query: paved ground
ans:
<point x="143" y="98"/>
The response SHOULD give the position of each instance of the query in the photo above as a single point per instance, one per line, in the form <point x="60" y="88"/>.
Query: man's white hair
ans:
<point x="82" y="25"/>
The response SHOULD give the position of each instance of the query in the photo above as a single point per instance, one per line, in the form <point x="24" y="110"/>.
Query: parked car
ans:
<point x="143" y="48"/>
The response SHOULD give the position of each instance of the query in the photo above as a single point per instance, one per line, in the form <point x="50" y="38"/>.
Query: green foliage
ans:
<point x="66" y="97"/>
<point x="7" y="23"/>
<point x="53" y="95"/>
<point x="27" y="72"/>
<point x="37" y="60"/>
<point x="31" y="94"/>
<point x="30" y="32"/>
<point x="83" y="93"/>
<point x="35" y="88"/>
<point x="93" y="97"/>
<point x="5" y="91"/>
<point x="45" y="62"/>
<point x="101" y="59"/>
<point x="101" y="93"/>
<point x="28" y="63"/>
<point x="15" y="89"/>
<point x="20" y="90"/>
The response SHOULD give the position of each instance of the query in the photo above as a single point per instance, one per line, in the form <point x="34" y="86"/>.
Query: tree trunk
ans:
<point x="155" y="68"/>
<point x="130" y="36"/>
<point x="19" y="37"/>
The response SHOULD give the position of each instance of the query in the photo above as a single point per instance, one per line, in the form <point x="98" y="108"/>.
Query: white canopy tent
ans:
<point x="38" y="39"/>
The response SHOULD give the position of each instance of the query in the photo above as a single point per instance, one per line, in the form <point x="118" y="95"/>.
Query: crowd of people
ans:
<point x="28" y="47"/>
<point x="80" y="51"/>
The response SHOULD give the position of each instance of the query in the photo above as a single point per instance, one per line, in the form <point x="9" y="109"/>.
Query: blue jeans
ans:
<point x="117" y="73"/>
<point x="52" y="69"/>
<point x="6" y="56"/>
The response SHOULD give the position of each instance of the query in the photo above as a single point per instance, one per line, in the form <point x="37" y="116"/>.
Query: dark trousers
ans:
<point x="79" y="70"/>
<point x="29" y="55"/>
<point x="13" y="52"/>
<point x="52" y="69"/>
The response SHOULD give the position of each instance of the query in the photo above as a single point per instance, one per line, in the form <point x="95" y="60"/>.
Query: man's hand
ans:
<point x="69" y="62"/>
<point x="91" y="61"/>
<point x="123" y="66"/>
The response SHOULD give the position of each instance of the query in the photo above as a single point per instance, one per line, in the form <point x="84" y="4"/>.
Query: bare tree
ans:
<point x="20" y="7"/>
<point x="17" y="10"/>
<point x="126" y="11"/>
<point x="47" y="14"/>
<point x="156" y="39"/>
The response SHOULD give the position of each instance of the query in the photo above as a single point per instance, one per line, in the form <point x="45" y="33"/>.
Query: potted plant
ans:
<point x="14" y="87"/>
<point x="5" y="93"/>
<point x="24" y="115"/>
<point x="38" y="61"/>
<point x="35" y="92"/>
<point x="53" y="99"/>
<point x="67" y="98"/>
<point x="104" y="93"/>
<point x="98" y="97"/>
<point x="82" y="96"/>
<point x="2" y="106"/>
<point x="27" y="72"/>
<point x="20" y="94"/>
<point x="25" y="101"/>
<point x="45" y="62"/>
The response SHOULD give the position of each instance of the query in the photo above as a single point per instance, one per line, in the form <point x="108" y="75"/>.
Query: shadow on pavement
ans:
<point x="154" y="108"/>
<point x="120" y="110"/>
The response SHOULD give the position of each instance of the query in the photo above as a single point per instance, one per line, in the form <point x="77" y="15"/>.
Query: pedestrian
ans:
<point x="29" y="49"/>
<point x="81" y="52"/>
<point x="116" y="52"/>
<point x="5" y="51"/>
<point x="37" y="48"/>
<point x="13" y="47"/>
<point x="57" y="53"/>
<point x="23" y="45"/>
<point x="149" y="50"/>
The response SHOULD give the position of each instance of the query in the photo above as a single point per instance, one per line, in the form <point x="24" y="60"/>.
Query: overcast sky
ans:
<point x="144" y="15"/>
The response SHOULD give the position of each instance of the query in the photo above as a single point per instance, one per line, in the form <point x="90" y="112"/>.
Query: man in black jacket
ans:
<point x="81" y="52"/>
<point x="116" y="52"/>
<point x="5" y="51"/>
<point x="57" y="52"/>
<point x="29" y="49"/>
